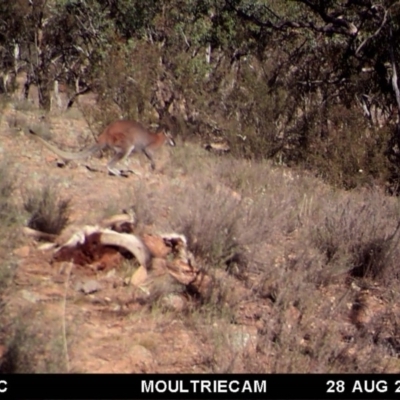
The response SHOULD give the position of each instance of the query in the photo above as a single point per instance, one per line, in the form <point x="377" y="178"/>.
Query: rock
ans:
<point x="218" y="147"/>
<point x="242" y="337"/>
<point x="182" y="272"/>
<point x="156" y="245"/>
<point x="174" y="302"/>
<point x="162" y="286"/>
<point x="366" y="308"/>
<point x="111" y="273"/>
<point x="22" y="252"/>
<point x="158" y="266"/>
<point x="292" y="316"/>
<point x="88" y="287"/>
<point x="47" y="246"/>
<point x="139" y="276"/>
<point x="51" y="158"/>
<point x="142" y="359"/>
<point x="203" y="285"/>
<point x="29" y="296"/>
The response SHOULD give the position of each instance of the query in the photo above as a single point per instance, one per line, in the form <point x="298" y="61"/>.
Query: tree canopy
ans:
<point x="296" y="80"/>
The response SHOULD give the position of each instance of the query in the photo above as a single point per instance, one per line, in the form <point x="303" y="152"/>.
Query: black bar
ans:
<point x="207" y="386"/>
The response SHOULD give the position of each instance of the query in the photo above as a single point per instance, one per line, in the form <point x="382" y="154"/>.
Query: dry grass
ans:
<point x="24" y="105"/>
<point x="10" y="217"/>
<point x="209" y="218"/>
<point x="35" y="347"/>
<point x="299" y="245"/>
<point x="16" y="122"/>
<point x="73" y="113"/>
<point x="359" y="234"/>
<point x="8" y="210"/>
<point x="306" y="243"/>
<point x="297" y="249"/>
<point x="48" y="211"/>
<point x="187" y="158"/>
<point x="147" y="203"/>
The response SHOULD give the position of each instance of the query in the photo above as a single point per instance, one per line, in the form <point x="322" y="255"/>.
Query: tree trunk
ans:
<point x="44" y="91"/>
<point x="27" y="86"/>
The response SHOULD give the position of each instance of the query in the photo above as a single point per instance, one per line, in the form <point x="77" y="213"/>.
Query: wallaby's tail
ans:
<point x="65" y="155"/>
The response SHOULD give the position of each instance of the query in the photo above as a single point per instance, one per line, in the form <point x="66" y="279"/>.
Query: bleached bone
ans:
<point x="38" y="235"/>
<point x="174" y="237"/>
<point x="108" y="237"/>
<point x="47" y="246"/>
<point x="79" y="237"/>
<point x="126" y="216"/>
<point x="129" y="242"/>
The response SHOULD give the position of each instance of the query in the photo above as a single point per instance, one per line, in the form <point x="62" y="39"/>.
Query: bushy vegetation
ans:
<point x="8" y="210"/>
<point x="287" y="80"/>
<point x="48" y="212"/>
<point x="308" y="251"/>
<point x="310" y="85"/>
<point x="34" y="347"/>
<point x="9" y="221"/>
<point x="360" y="235"/>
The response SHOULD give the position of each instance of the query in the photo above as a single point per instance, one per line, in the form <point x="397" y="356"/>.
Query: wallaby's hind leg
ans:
<point x="149" y="155"/>
<point x="120" y="156"/>
<point x="111" y="164"/>
<point x="124" y="159"/>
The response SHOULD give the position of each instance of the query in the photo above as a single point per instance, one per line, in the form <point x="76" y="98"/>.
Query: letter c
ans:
<point x="3" y="386"/>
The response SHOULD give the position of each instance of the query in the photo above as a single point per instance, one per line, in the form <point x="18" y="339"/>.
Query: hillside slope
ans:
<point x="303" y="276"/>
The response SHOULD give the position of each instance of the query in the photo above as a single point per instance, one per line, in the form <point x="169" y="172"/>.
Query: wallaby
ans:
<point x="124" y="137"/>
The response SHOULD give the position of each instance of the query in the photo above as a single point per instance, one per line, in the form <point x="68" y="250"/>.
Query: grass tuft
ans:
<point x="48" y="211"/>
